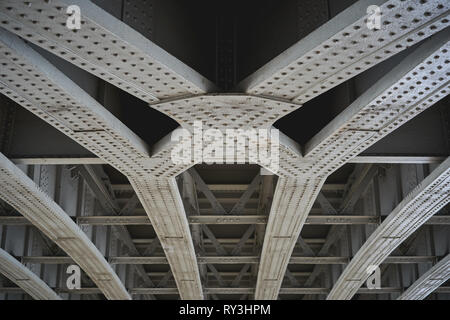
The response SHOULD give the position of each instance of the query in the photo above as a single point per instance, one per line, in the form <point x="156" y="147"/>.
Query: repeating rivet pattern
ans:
<point x="432" y="194"/>
<point x="25" y="278"/>
<point x="20" y="192"/>
<point x="350" y="51"/>
<point x="123" y="58"/>
<point x="35" y="84"/>
<point x="431" y="280"/>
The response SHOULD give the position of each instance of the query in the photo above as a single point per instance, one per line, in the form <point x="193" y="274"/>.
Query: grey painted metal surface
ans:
<point x="359" y="126"/>
<point x="321" y="260"/>
<point x="22" y="194"/>
<point x="132" y="63"/>
<point x="225" y="220"/>
<point x="91" y="125"/>
<point x="429" y="282"/>
<point x="175" y="89"/>
<point x="423" y="202"/>
<point x="344" y="47"/>
<point x="357" y="159"/>
<point x="25" y="278"/>
<point x="292" y="202"/>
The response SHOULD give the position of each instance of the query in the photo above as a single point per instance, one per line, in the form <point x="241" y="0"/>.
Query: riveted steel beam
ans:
<point x="344" y="47"/>
<point x="20" y="192"/>
<point x="322" y="260"/>
<point x="243" y="290"/>
<point x="358" y="159"/>
<point x="430" y="281"/>
<point x="395" y="99"/>
<point x="25" y="278"/>
<point x="104" y="46"/>
<point x="379" y="111"/>
<point x="291" y="204"/>
<point x="432" y="194"/>
<point x="38" y="86"/>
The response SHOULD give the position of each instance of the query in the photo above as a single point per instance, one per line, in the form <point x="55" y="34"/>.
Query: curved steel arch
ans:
<point x="21" y="193"/>
<point x="430" y="281"/>
<point x="25" y="278"/>
<point x="432" y="194"/>
<point x="88" y="123"/>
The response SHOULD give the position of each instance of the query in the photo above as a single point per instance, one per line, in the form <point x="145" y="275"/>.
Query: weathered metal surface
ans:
<point x="22" y="194"/>
<point x="25" y="278"/>
<point x="424" y="201"/>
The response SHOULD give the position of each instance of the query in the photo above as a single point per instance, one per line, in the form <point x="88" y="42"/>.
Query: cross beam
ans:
<point x="156" y="260"/>
<point x="100" y="191"/>
<point x="226" y="291"/>
<point x="72" y="160"/>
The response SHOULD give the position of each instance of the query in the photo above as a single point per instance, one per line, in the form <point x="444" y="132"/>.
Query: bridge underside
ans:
<point x="364" y="170"/>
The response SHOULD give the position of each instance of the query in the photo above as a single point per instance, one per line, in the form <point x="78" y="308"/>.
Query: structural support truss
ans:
<point x="379" y="111"/>
<point x="291" y="204"/>
<point x="104" y="46"/>
<point x="432" y="194"/>
<point x="341" y="49"/>
<point x="344" y="47"/>
<point x="38" y="86"/>
<point x="25" y="278"/>
<point x="321" y="260"/>
<point x="430" y="281"/>
<point x="21" y="193"/>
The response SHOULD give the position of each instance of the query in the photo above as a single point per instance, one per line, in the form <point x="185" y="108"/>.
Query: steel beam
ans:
<point x="48" y="260"/>
<point x="376" y="113"/>
<point x="397" y="159"/>
<point x="357" y="183"/>
<point x="300" y="178"/>
<point x="283" y="291"/>
<point x="226" y="111"/>
<point x="104" y="46"/>
<point x="228" y="219"/>
<point x="358" y="159"/>
<point x="322" y="260"/>
<point x="432" y="194"/>
<point x="38" y="86"/>
<point x="225" y="220"/>
<point x="243" y="200"/>
<point x="242" y="290"/>
<point x="102" y="193"/>
<point x="219" y="220"/>
<point x="395" y="99"/>
<point x="25" y="278"/>
<point x="430" y="281"/>
<point x="58" y="161"/>
<point x="23" y="195"/>
<point x="344" y="47"/>
<point x="292" y="201"/>
<point x="232" y="275"/>
<point x="201" y="186"/>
